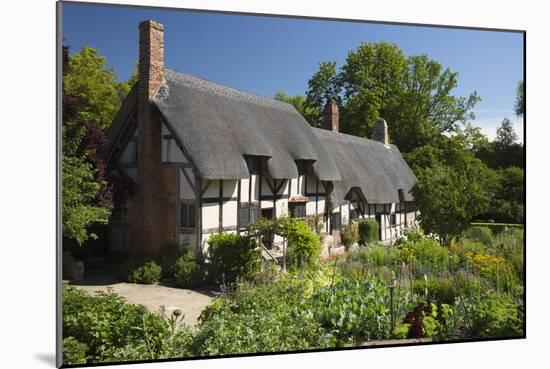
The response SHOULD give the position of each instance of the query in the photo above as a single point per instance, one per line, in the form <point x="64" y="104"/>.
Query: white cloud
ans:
<point x="489" y="126"/>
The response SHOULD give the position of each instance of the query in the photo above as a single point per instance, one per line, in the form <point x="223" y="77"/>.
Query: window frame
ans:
<point x="190" y="216"/>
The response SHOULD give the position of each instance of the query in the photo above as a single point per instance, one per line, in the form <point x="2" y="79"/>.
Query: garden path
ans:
<point x="190" y="302"/>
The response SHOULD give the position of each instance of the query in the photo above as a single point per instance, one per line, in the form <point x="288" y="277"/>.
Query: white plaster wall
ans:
<point x="230" y="214"/>
<point x="230" y="188"/>
<point x="284" y="187"/>
<point x="210" y="216"/>
<point x="213" y="189"/>
<point x="310" y="206"/>
<point x="188" y="241"/>
<point x="244" y="190"/>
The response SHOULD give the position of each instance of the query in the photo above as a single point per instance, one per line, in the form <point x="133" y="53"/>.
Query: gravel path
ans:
<point x="153" y="296"/>
<point x="190" y="302"/>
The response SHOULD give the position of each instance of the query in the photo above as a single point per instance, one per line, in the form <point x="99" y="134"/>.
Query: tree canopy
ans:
<point x="91" y="98"/>
<point x="412" y="93"/>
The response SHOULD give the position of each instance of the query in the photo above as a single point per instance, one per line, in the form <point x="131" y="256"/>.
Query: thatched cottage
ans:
<point x="208" y="158"/>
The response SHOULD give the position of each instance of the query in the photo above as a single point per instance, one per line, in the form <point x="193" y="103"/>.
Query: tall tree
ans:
<point x="413" y="94"/>
<point x="506" y="136"/>
<point x="519" y="106"/>
<point x="449" y="197"/>
<point x="91" y="98"/>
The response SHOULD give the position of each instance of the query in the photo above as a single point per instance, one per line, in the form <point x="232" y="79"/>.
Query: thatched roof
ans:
<point x="379" y="171"/>
<point x="218" y="125"/>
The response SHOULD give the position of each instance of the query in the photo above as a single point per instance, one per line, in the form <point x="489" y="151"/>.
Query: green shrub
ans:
<point x="376" y="256"/>
<point x="147" y="272"/>
<point x="232" y="257"/>
<point x="490" y="314"/>
<point x="427" y="256"/>
<point x="479" y="234"/>
<point x="167" y="257"/>
<point x="74" y="352"/>
<point x="304" y="246"/>
<point x="369" y="231"/>
<point x="446" y="290"/>
<point x="187" y="271"/>
<point x="350" y="234"/>
<point x="114" y="330"/>
<point x="267" y="318"/>
<point x="354" y="309"/>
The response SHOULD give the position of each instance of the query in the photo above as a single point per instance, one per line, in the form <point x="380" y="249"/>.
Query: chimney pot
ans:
<point x="331" y="116"/>
<point x="380" y="132"/>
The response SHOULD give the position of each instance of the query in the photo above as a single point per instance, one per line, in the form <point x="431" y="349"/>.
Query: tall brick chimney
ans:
<point x="380" y="132"/>
<point x="331" y="116"/>
<point x="152" y="222"/>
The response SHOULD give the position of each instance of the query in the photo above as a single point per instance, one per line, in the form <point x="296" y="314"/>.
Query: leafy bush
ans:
<point x="376" y="256"/>
<point x="353" y="309"/>
<point x="114" y="330"/>
<point x="267" y="318"/>
<point x="187" y="271"/>
<point x="74" y="352"/>
<point x="479" y="234"/>
<point x="147" y="272"/>
<point x="427" y="256"/>
<point x="446" y="290"/>
<point x="350" y="234"/>
<point x="232" y="257"/>
<point x="167" y="256"/>
<point x="304" y="246"/>
<point x="490" y="314"/>
<point x="368" y="231"/>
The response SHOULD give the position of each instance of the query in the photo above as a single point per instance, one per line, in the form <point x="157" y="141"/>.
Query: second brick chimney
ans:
<point x="331" y="116"/>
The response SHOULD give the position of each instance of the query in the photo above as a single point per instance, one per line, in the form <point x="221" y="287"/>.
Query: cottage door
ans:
<point x="267" y="240"/>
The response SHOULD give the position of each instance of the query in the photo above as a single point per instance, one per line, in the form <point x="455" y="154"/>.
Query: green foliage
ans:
<point x="448" y="199"/>
<point x="80" y="209"/>
<point x="267" y="318"/>
<point x="376" y="256"/>
<point x="356" y="310"/>
<point x="74" y="352"/>
<point x="187" y="271"/>
<point x="304" y="246"/>
<point x="440" y="323"/>
<point x="519" y="106"/>
<point x="368" y="231"/>
<point x="312" y="115"/>
<point x="91" y="97"/>
<point x="350" y="234"/>
<point x="114" y="330"/>
<point x="479" y="234"/>
<point x="445" y="290"/>
<point x="231" y="257"/>
<point x="90" y="79"/>
<point x="145" y="272"/>
<point x="412" y="93"/>
<point x="491" y="314"/>
<point x="427" y="256"/>
<point x="401" y="331"/>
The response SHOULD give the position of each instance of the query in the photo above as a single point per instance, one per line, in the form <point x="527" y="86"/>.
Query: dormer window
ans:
<point x="302" y="167"/>
<point x="254" y="164"/>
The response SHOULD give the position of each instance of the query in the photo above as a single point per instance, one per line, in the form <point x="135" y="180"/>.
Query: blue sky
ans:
<point x="263" y="55"/>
